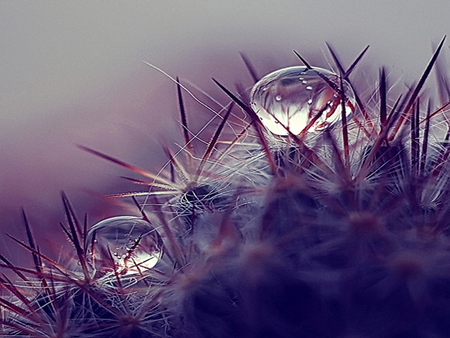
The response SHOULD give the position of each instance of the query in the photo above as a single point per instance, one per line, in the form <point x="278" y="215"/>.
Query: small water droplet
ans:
<point x="135" y="243"/>
<point x="284" y="103"/>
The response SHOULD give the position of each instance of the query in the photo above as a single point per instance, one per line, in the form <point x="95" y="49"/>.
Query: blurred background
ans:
<point x="72" y="72"/>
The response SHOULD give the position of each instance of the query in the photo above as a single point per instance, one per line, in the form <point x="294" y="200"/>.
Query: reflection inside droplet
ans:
<point x="126" y="244"/>
<point x="283" y="101"/>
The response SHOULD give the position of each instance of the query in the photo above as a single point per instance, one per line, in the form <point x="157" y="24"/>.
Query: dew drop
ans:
<point x="284" y="103"/>
<point x="126" y="244"/>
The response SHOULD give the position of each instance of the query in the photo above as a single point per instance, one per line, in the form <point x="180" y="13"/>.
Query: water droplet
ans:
<point x="299" y="103"/>
<point x="126" y="244"/>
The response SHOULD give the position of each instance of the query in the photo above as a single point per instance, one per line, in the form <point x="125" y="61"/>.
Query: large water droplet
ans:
<point x="125" y="244"/>
<point x="308" y="95"/>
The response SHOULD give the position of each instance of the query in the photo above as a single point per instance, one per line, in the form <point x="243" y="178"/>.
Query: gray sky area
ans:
<point x="72" y="73"/>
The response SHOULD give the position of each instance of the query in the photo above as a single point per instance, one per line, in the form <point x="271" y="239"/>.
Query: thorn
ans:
<point x="250" y="68"/>
<point x="307" y="65"/>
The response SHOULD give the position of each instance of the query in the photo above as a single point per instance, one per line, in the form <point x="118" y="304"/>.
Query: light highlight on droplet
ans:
<point x="294" y="97"/>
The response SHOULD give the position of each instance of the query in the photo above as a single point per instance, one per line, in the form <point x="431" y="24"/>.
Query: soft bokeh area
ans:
<point x="72" y="72"/>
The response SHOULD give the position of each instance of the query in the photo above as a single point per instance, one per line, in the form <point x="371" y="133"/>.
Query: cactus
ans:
<point x="306" y="212"/>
